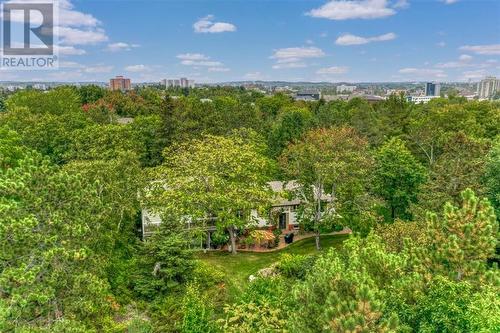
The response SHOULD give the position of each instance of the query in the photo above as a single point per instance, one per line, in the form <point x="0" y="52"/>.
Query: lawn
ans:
<point x="239" y="267"/>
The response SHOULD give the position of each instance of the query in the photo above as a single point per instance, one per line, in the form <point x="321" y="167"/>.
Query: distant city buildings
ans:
<point x="181" y="83"/>
<point x="488" y="87"/>
<point x="120" y="83"/>
<point x="432" y="89"/>
<point x="344" y="88"/>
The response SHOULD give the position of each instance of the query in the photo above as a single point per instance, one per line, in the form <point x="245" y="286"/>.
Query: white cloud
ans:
<point x="69" y="50"/>
<point x="218" y="69"/>
<point x="292" y="57"/>
<point x="138" y="68"/>
<point x="333" y="70"/>
<point x="449" y="2"/>
<point x="423" y="72"/>
<point x="120" y="46"/>
<point x="298" y="53"/>
<point x="192" y="56"/>
<point x="476" y="74"/>
<point x="463" y="61"/>
<point x="441" y="44"/>
<point x="491" y="49"/>
<point x="98" y="69"/>
<point x="287" y="65"/>
<point x="356" y="9"/>
<point x="202" y="63"/>
<point x="69" y="64"/>
<point x="72" y="36"/>
<point x="201" y="60"/>
<point x="465" y="57"/>
<point x="206" y="25"/>
<point x="349" y="39"/>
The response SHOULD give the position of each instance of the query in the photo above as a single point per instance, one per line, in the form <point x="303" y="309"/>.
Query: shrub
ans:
<point x="295" y="265"/>
<point x="206" y="275"/>
<point x="219" y="238"/>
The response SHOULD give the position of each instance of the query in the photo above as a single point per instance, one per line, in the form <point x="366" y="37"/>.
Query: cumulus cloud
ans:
<point x="292" y="57"/>
<point x="120" y="46"/>
<point x="488" y="49"/>
<point x="349" y="39"/>
<point x="207" y="25"/>
<point x="201" y="60"/>
<point x="72" y="36"/>
<point x="69" y="50"/>
<point x="333" y="70"/>
<point x="356" y="9"/>
<point x="463" y="61"/>
<point x="137" y="68"/>
<point x="476" y="74"/>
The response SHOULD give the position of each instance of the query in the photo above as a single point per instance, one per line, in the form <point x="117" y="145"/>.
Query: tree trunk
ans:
<point x="232" y="235"/>
<point x="318" y="247"/>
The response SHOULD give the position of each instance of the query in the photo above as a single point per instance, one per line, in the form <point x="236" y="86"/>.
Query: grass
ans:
<point x="239" y="267"/>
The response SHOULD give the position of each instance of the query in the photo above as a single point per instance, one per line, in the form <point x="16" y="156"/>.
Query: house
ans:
<point x="283" y="213"/>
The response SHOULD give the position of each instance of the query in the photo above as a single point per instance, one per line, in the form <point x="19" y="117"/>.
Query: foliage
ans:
<point x="198" y="315"/>
<point x="217" y="179"/>
<point x="492" y="176"/>
<point x="460" y="242"/>
<point x="331" y="166"/>
<point x="397" y="178"/>
<point x="295" y="266"/>
<point x="461" y="165"/>
<point x="51" y="264"/>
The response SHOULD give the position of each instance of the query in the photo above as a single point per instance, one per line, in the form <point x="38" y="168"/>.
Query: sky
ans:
<point x="290" y="40"/>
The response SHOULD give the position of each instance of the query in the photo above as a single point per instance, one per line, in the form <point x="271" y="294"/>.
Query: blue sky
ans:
<point x="339" y="40"/>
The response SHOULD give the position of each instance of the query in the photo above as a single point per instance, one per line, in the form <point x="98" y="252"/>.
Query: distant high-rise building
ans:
<point x="120" y="83"/>
<point x="488" y="87"/>
<point x="182" y="83"/>
<point x="432" y="89"/>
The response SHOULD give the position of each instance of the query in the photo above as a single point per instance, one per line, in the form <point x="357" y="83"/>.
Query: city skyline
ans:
<point x="314" y="41"/>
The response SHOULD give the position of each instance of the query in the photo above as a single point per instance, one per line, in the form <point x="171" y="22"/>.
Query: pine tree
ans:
<point x="462" y="240"/>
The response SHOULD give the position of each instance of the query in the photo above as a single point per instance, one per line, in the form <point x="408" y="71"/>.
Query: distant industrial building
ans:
<point x="432" y="89"/>
<point x="120" y="83"/>
<point x="181" y="83"/>
<point x="488" y="87"/>
<point x="307" y="96"/>
<point x="344" y="88"/>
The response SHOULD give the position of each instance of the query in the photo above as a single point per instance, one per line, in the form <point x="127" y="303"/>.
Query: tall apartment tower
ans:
<point x="120" y="83"/>
<point x="432" y="89"/>
<point x="488" y="87"/>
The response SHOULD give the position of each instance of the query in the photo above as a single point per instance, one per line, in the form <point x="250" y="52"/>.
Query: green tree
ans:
<point x="492" y="177"/>
<point x="461" y="241"/>
<point x="90" y="93"/>
<point x="219" y="179"/>
<point x="330" y="166"/>
<point x="50" y="266"/>
<point x="345" y="290"/>
<point x="290" y="124"/>
<point x="461" y="165"/>
<point x="397" y="177"/>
